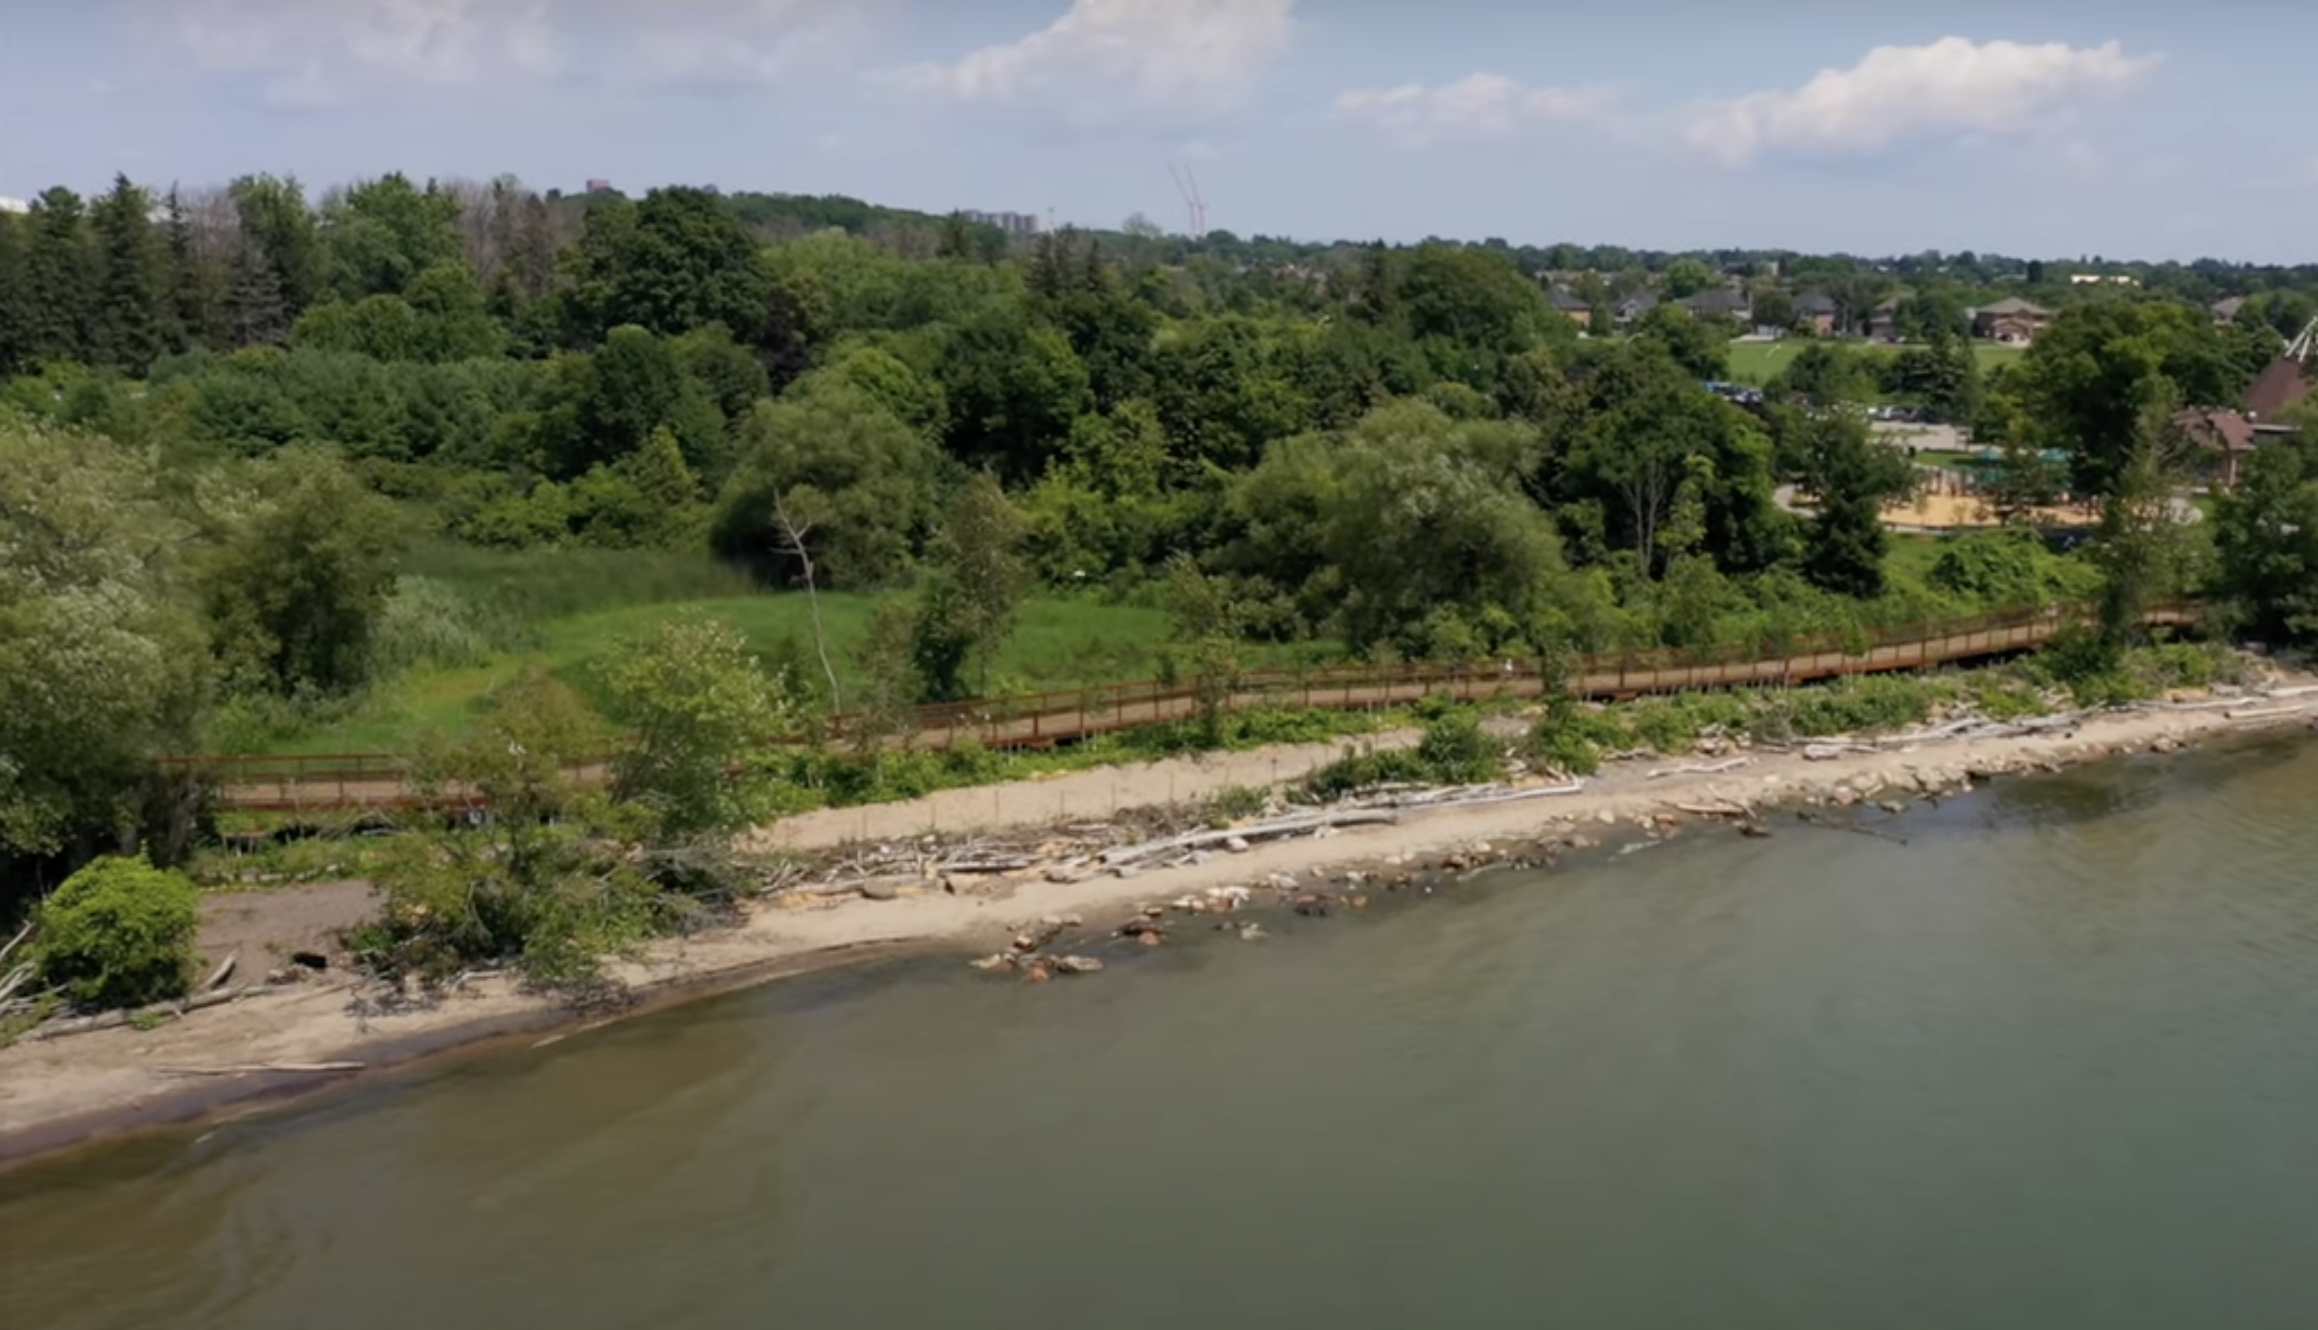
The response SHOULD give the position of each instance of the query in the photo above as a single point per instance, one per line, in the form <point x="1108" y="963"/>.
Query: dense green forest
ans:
<point x="262" y="456"/>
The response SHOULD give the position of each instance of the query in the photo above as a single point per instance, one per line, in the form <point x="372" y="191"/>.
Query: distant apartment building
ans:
<point x="599" y="187"/>
<point x="1012" y="223"/>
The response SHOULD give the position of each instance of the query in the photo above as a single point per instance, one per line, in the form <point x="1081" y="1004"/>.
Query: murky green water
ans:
<point x="2052" y="1063"/>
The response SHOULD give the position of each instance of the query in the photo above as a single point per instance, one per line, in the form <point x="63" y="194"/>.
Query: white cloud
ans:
<point x="743" y="40"/>
<point x="1193" y="58"/>
<point x="1475" y="108"/>
<point x="315" y="52"/>
<point x="1899" y="94"/>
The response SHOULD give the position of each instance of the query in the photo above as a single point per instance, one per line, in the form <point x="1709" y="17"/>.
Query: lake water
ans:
<point x="2051" y="1063"/>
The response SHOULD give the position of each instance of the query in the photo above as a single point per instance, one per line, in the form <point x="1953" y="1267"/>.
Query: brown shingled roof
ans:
<point x="2284" y="383"/>
<point x="2210" y="427"/>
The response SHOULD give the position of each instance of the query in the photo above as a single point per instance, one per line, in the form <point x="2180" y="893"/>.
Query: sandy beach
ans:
<point x="58" y="1091"/>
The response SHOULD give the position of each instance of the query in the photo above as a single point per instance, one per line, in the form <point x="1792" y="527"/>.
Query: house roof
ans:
<point x="2013" y="307"/>
<point x="1722" y="300"/>
<point x="1561" y="297"/>
<point x="2220" y="430"/>
<point x="1641" y="302"/>
<point x="2227" y="307"/>
<point x="1814" y="303"/>
<point x="2284" y="383"/>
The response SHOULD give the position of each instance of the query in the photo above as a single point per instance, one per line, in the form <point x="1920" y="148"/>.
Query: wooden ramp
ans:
<point x="352" y="782"/>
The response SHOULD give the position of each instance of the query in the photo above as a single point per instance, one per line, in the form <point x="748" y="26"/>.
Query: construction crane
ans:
<point x="2304" y="344"/>
<point x="1194" y="207"/>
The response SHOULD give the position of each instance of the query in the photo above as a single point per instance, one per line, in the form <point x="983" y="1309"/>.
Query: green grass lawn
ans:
<point x="563" y="611"/>
<point x="1910" y="557"/>
<point x="1056" y="644"/>
<point x="1756" y="362"/>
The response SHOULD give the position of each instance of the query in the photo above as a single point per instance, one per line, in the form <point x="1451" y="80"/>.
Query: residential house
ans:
<point x="1816" y="311"/>
<point x="1572" y="306"/>
<point x="2224" y="438"/>
<point x="1630" y="308"/>
<point x="1722" y="302"/>
<point x="1883" y="322"/>
<point x="2225" y="310"/>
<point x="2012" y="321"/>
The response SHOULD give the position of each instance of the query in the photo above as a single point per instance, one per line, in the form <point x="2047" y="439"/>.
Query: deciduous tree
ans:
<point x="693" y="702"/>
<point x="302" y="576"/>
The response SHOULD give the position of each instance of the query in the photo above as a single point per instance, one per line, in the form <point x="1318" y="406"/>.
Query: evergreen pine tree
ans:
<point x="129" y="328"/>
<point x="260" y="314"/>
<point x="57" y="289"/>
<point x="14" y="352"/>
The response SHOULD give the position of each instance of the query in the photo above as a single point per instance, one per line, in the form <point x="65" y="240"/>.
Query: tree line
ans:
<point x="230" y="411"/>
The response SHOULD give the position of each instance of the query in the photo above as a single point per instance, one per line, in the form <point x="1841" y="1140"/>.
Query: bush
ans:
<point x="1364" y="768"/>
<point x="1572" y="738"/>
<point x="427" y="622"/>
<point x="118" y="933"/>
<point x="1865" y="704"/>
<point x="1236" y="803"/>
<point x="1456" y="751"/>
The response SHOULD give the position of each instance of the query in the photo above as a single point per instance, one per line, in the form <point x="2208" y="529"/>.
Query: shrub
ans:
<point x="118" y="933"/>
<point x="1868" y="703"/>
<point x="693" y="701"/>
<point x="1572" y="738"/>
<point x="1456" y="751"/>
<point x="427" y="622"/>
<point x="1364" y="768"/>
<point x="2181" y="665"/>
<point x="1234" y="803"/>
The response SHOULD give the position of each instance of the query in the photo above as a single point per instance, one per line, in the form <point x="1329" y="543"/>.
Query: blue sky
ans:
<point x="2126" y="129"/>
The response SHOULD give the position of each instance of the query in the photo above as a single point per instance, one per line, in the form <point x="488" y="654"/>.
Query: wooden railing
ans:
<point x="1039" y="720"/>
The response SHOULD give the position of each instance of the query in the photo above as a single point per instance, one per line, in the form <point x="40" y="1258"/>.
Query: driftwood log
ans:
<point x="16" y="941"/>
<point x="1701" y="769"/>
<point x="264" y="1068"/>
<point x="1273" y="830"/>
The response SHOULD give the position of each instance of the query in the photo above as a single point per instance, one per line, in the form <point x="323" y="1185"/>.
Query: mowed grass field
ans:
<point x="1756" y="362"/>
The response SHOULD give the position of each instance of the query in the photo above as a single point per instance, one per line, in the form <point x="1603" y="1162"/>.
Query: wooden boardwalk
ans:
<point x="348" y="782"/>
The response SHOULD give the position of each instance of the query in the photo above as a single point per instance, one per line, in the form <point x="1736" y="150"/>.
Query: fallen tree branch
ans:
<point x="16" y="941"/>
<point x="16" y="979"/>
<point x="1289" y="826"/>
<point x="2272" y="713"/>
<point x="1512" y="796"/>
<point x="223" y="971"/>
<point x="1715" y="810"/>
<point x="1702" y="768"/>
<point x="1014" y="865"/>
<point x="219" y="997"/>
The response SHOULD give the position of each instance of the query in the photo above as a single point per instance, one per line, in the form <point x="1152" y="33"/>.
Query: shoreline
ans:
<point x="58" y="1095"/>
